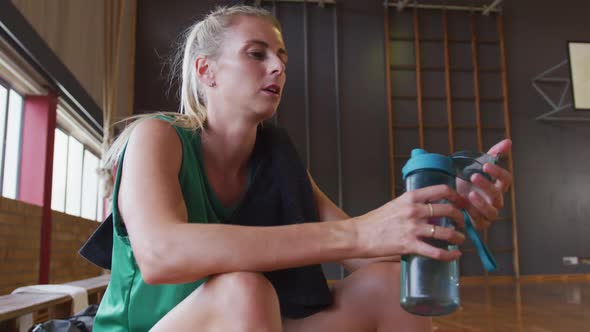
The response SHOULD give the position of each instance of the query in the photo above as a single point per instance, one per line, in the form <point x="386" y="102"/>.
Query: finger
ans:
<point x="501" y="147"/>
<point x="503" y="177"/>
<point x="436" y="193"/>
<point x="444" y="210"/>
<point x="486" y="209"/>
<point x="441" y="233"/>
<point x="424" y="249"/>
<point x="477" y="218"/>
<point x="492" y="192"/>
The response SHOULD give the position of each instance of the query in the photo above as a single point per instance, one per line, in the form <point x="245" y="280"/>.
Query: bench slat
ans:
<point x="15" y="305"/>
<point x="92" y="284"/>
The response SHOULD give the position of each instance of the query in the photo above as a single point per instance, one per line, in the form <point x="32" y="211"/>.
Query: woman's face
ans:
<point x="250" y="71"/>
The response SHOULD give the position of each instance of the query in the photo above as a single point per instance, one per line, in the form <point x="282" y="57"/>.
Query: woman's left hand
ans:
<point x="488" y="199"/>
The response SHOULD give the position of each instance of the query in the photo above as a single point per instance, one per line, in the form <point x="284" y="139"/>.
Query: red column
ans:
<point x="36" y="166"/>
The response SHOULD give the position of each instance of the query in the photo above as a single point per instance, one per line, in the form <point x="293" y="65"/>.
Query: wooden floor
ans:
<point x="556" y="306"/>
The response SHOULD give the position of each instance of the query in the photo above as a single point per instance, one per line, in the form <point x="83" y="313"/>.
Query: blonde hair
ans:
<point x="203" y="38"/>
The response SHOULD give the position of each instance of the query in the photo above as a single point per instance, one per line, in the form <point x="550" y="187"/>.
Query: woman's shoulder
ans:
<point x="154" y="135"/>
<point x="156" y="127"/>
<point x="167" y="123"/>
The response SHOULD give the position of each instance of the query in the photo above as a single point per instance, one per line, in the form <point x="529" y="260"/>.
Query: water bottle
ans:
<point x="429" y="287"/>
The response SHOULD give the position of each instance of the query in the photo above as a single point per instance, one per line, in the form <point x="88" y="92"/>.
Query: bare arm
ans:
<point x="168" y="249"/>
<point x="328" y="211"/>
<point x="483" y="205"/>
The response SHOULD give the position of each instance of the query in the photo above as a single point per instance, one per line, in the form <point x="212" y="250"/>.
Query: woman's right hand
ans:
<point x="401" y="226"/>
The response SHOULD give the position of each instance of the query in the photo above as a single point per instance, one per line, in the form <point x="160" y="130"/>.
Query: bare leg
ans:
<point x="367" y="300"/>
<point x="240" y="301"/>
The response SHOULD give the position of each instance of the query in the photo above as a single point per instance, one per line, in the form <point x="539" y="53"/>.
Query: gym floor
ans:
<point x="556" y="306"/>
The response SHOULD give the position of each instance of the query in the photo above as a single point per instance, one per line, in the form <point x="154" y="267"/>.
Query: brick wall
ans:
<point x="68" y="233"/>
<point x="20" y="234"/>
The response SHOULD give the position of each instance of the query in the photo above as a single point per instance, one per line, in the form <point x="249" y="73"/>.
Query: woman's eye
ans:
<point x="257" y="55"/>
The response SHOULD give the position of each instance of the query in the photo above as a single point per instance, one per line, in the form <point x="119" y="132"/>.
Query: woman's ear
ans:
<point x="204" y="71"/>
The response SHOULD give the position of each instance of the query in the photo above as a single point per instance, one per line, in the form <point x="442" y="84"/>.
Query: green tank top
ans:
<point x="129" y="304"/>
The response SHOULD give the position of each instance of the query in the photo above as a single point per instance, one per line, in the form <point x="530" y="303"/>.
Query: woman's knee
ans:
<point x="379" y="280"/>
<point x="244" y="286"/>
<point x="248" y="299"/>
<point x="379" y="284"/>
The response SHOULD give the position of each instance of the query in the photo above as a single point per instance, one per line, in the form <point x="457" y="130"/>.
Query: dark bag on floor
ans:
<point x="81" y="322"/>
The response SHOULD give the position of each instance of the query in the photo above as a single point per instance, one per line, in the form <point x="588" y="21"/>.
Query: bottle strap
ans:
<point x="486" y="257"/>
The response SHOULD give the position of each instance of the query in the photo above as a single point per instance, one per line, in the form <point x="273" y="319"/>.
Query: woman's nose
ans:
<point x="277" y="66"/>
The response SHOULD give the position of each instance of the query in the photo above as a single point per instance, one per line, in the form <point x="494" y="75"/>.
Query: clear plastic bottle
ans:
<point x="429" y="287"/>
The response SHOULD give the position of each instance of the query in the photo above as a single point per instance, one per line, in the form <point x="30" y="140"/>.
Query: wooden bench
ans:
<point x="45" y="306"/>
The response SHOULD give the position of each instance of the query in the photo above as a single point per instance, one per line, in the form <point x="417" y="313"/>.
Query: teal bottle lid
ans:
<point x="422" y="160"/>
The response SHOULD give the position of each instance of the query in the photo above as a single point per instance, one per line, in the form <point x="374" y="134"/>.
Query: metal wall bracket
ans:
<point x="488" y="9"/>
<point x="547" y="77"/>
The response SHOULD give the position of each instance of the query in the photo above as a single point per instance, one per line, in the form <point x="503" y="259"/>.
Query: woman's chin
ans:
<point x="265" y="114"/>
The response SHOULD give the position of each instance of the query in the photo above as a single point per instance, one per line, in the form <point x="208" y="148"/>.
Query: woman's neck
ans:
<point x="227" y="145"/>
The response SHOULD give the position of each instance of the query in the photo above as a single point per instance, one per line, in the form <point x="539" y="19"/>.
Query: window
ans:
<point x="60" y="162"/>
<point x="11" y="112"/>
<point x="74" y="176"/>
<point x="3" y="112"/>
<point x="77" y="146"/>
<point x="75" y="188"/>
<point x="89" y="186"/>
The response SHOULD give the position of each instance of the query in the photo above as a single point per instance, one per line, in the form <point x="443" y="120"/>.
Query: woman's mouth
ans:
<point x="273" y="89"/>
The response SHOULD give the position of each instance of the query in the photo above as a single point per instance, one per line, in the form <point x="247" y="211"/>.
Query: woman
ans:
<point x="178" y="267"/>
